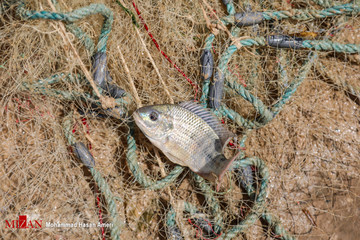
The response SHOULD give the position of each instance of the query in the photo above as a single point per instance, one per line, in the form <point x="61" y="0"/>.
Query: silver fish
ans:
<point x="188" y="135"/>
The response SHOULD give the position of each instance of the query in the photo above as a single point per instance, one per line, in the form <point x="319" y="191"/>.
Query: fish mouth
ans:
<point x="137" y="119"/>
<point x="136" y="116"/>
<point x="140" y="123"/>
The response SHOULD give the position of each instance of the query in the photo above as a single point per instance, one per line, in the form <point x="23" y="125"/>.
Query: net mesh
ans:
<point x="311" y="148"/>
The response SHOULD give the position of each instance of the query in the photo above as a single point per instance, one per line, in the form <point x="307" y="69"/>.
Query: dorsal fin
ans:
<point x="210" y="119"/>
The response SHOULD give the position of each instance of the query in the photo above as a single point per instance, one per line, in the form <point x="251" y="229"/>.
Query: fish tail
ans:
<point x="224" y="170"/>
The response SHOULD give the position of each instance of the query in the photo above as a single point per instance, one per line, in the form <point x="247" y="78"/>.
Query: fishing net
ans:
<point x="311" y="148"/>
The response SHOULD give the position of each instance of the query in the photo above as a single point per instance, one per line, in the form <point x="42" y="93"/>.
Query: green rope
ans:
<point x="73" y="16"/>
<point x="302" y="14"/>
<point x="82" y="36"/>
<point x="205" y="92"/>
<point x="266" y="116"/>
<point x="308" y="14"/>
<point x="260" y="107"/>
<point x="211" y="201"/>
<point x="173" y="230"/>
<point x="42" y="86"/>
<point x="236" y="117"/>
<point x="320" y="45"/>
<point x="225" y="58"/>
<point x="258" y="210"/>
<point x="258" y="207"/>
<point x="229" y="6"/>
<point x="326" y="45"/>
<point x="257" y="41"/>
<point x="56" y="78"/>
<point x="138" y="173"/>
<point x="67" y="126"/>
<point x="250" y="190"/>
<point x="275" y="225"/>
<point x="104" y="188"/>
<point x="69" y="18"/>
<point x="295" y="84"/>
<point x="282" y="67"/>
<point x="130" y="13"/>
<point x="78" y="32"/>
<point x="206" y="83"/>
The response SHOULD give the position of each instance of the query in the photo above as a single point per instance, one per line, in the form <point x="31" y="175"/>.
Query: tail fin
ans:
<point x="223" y="171"/>
<point x="216" y="168"/>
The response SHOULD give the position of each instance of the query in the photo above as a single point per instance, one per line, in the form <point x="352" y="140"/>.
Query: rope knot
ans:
<point x="213" y="27"/>
<point x="107" y="102"/>
<point x="237" y="41"/>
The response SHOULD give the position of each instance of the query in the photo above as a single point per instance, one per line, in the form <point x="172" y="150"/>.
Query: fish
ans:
<point x="188" y="135"/>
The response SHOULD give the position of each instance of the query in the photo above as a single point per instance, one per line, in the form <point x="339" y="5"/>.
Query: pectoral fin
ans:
<point x="176" y="154"/>
<point x="175" y="159"/>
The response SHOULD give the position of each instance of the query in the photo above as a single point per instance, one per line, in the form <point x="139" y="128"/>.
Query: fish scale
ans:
<point x="188" y="135"/>
<point x="196" y="137"/>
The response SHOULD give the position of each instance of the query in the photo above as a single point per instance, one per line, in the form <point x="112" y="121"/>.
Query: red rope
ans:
<point x="195" y="86"/>
<point x="100" y="214"/>
<point x="201" y="231"/>
<point x="28" y="105"/>
<point x="232" y="145"/>
<point x="84" y="122"/>
<point x="237" y="67"/>
<point x="238" y="75"/>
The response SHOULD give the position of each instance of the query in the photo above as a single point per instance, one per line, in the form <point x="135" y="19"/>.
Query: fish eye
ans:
<point x="153" y="116"/>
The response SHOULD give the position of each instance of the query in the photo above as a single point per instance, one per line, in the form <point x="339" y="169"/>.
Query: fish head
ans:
<point x="154" y="121"/>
